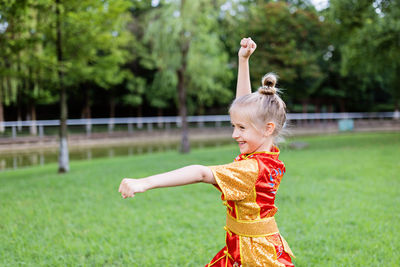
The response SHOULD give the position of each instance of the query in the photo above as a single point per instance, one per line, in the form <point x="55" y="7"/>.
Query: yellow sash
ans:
<point x="256" y="228"/>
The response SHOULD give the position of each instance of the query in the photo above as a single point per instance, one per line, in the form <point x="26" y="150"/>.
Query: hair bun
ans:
<point x="268" y="84"/>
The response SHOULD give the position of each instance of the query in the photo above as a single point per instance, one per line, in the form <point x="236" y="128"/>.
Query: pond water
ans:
<point x="20" y="159"/>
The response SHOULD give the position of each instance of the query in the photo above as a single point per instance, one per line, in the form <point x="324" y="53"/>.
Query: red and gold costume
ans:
<point x="248" y="187"/>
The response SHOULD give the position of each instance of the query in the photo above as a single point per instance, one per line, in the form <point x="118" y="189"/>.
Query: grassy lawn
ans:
<point x="339" y="205"/>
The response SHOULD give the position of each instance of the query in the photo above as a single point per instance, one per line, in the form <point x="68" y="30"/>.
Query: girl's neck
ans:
<point x="265" y="147"/>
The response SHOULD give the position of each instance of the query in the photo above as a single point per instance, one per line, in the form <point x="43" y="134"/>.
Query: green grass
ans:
<point x="338" y="206"/>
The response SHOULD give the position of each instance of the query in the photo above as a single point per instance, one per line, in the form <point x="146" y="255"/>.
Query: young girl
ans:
<point x="249" y="184"/>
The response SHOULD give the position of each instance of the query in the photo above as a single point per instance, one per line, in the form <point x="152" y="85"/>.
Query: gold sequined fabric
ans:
<point x="252" y="228"/>
<point x="256" y="251"/>
<point x="248" y="209"/>
<point x="237" y="179"/>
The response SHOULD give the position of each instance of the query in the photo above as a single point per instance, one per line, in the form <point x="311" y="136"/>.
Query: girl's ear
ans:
<point x="269" y="128"/>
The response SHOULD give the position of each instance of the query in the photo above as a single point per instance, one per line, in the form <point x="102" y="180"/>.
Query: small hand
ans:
<point x="129" y="187"/>
<point x="247" y="47"/>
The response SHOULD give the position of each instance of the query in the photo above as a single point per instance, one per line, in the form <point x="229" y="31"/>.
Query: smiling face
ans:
<point x="249" y="138"/>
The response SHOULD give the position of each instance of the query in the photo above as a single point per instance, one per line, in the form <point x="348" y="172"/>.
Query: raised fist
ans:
<point x="247" y="47"/>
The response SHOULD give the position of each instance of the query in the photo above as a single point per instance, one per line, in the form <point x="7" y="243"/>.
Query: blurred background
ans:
<point x="106" y="89"/>
<point x="104" y="65"/>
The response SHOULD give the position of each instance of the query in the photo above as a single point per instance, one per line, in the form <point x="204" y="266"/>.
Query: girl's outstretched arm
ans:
<point x="186" y="175"/>
<point x="247" y="47"/>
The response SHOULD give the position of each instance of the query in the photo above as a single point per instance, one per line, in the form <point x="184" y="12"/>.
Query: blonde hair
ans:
<point x="263" y="106"/>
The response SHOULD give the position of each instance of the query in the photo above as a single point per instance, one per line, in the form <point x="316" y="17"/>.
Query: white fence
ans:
<point x="167" y="122"/>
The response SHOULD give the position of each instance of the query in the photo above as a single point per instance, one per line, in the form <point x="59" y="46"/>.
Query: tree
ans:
<point x="9" y="15"/>
<point x="63" y="158"/>
<point x="89" y="39"/>
<point x="182" y="44"/>
<point x="24" y="74"/>
<point x="373" y="47"/>
<point x="360" y="62"/>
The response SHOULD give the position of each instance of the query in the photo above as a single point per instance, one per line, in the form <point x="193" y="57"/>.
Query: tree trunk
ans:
<point x="184" y="49"/>
<point x="396" y="115"/>
<point x="112" y="106"/>
<point x="8" y="90"/>
<point x="112" y="113"/>
<point x="396" y="93"/>
<point x="20" y="89"/>
<point x="86" y="111"/>
<point x="1" y="109"/>
<point x="159" y="114"/>
<point x="19" y="114"/>
<point x="63" y="160"/>
<point x="139" y="115"/>
<point x="31" y="102"/>
<point x="32" y="111"/>
<point x="185" y="145"/>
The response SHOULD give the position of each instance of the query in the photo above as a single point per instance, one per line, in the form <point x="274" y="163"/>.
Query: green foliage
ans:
<point x="94" y="41"/>
<point x="136" y="88"/>
<point x="371" y="31"/>
<point x="290" y="43"/>
<point x="163" y="89"/>
<point x="326" y="201"/>
<point x="24" y="71"/>
<point x="345" y="57"/>
<point x="207" y="64"/>
<point x="209" y="72"/>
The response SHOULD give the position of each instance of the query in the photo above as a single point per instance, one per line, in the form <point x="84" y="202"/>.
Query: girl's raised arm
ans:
<point x="186" y="175"/>
<point x="247" y="47"/>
